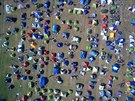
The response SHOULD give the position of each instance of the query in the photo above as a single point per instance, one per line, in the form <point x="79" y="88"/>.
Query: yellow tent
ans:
<point x="33" y="45"/>
<point x="112" y="35"/>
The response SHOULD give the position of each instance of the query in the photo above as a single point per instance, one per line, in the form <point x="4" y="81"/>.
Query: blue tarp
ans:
<point x="56" y="70"/>
<point x="43" y="81"/>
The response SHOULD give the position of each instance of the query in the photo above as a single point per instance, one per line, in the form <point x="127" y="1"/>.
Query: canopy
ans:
<point x="43" y="81"/>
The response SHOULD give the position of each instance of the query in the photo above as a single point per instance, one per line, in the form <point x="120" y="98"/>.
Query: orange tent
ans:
<point x="104" y="25"/>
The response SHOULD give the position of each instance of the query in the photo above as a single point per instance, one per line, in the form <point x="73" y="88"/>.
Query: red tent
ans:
<point x="26" y="64"/>
<point x="28" y="35"/>
<point x="104" y="17"/>
<point x="46" y="52"/>
<point x="85" y="64"/>
<point x="104" y="25"/>
<point x="25" y="98"/>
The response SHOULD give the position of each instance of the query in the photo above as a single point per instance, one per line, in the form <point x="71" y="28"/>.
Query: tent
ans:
<point x="108" y="43"/>
<point x="133" y="22"/>
<point x="86" y="12"/>
<point x="47" y="4"/>
<point x="33" y="1"/>
<point x="56" y="70"/>
<point x="65" y="35"/>
<point x="43" y="81"/>
<point x="129" y="99"/>
<point x="111" y="47"/>
<point x="83" y="54"/>
<point x="115" y="68"/>
<point x="55" y="29"/>
<point x="109" y="2"/>
<point x="60" y="55"/>
<point x="104" y="25"/>
<point x="103" y="2"/>
<point x="65" y="63"/>
<point x="8" y="9"/>
<point x="76" y="22"/>
<point x="94" y="53"/>
<point x="68" y="22"/>
<point x="23" y="77"/>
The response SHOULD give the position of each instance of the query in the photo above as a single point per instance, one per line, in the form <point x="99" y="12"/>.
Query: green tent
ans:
<point x="50" y="90"/>
<point x="113" y="7"/>
<point x="49" y="97"/>
<point x="129" y="76"/>
<point x="68" y="22"/>
<point x="43" y="90"/>
<point x="88" y="47"/>
<point x="75" y="12"/>
<point x="70" y="11"/>
<point x="46" y="58"/>
<point x="70" y="91"/>
<point x="76" y="22"/>
<point x="76" y="29"/>
<point x="29" y="94"/>
<point x="79" y="12"/>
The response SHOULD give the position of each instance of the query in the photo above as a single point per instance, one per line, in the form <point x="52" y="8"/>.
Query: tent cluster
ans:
<point x="47" y="51"/>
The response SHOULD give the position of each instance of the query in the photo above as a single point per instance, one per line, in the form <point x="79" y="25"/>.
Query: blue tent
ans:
<point x="56" y="70"/>
<point x="65" y="62"/>
<point x="33" y="1"/>
<point x="91" y="59"/>
<point x="60" y="55"/>
<point x="83" y="54"/>
<point x="43" y="81"/>
<point x="82" y="2"/>
<point x="24" y="16"/>
<point x="108" y="43"/>
<point x="129" y="64"/>
<point x="60" y="44"/>
<point x="87" y="2"/>
<point x="40" y="37"/>
<point x="121" y="40"/>
<point x="39" y="25"/>
<point x="94" y="53"/>
<point x="102" y="93"/>
<point x="133" y="22"/>
<point x="69" y="2"/>
<point x="23" y="24"/>
<point x="35" y="35"/>
<point x="111" y="47"/>
<point x="47" y="4"/>
<point x="38" y="14"/>
<point x="132" y="83"/>
<point x="74" y="64"/>
<point x="115" y="68"/>
<point x="133" y="92"/>
<point x="129" y="99"/>
<point x="65" y="35"/>
<point x="16" y="71"/>
<point x="55" y="29"/>
<point x="23" y="77"/>
<point x="8" y="80"/>
<point x="85" y="12"/>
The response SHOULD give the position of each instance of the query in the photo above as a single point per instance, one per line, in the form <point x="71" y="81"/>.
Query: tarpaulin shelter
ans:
<point x="115" y="68"/>
<point x="56" y="70"/>
<point x="43" y="81"/>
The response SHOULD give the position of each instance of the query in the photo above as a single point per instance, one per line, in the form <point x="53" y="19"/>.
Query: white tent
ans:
<point x="8" y="9"/>
<point x="109" y="2"/>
